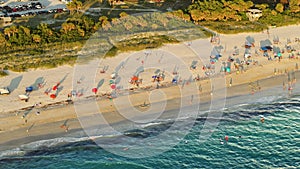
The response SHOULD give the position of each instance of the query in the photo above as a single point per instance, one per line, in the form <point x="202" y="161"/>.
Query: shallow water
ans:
<point x="251" y="144"/>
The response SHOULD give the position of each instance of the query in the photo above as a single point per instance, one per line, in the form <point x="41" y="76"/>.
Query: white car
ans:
<point x="4" y="91"/>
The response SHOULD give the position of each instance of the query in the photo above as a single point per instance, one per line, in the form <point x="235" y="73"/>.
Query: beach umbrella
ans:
<point x="29" y="89"/>
<point x="52" y="96"/>
<point x="95" y="90"/>
<point x="250" y="40"/>
<point x="134" y="78"/>
<point x="113" y="86"/>
<point x="113" y="75"/>
<point x="111" y="81"/>
<point x="56" y="86"/>
<point x="157" y="71"/>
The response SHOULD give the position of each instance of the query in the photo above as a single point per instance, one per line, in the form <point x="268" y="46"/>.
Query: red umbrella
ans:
<point x="52" y="96"/>
<point x="56" y="86"/>
<point x="134" y="78"/>
<point x="113" y="86"/>
<point x="95" y="90"/>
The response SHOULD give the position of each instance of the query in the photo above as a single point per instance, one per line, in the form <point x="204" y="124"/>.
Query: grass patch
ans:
<point x="232" y="27"/>
<point x="3" y="73"/>
<point x="140" y="43"/>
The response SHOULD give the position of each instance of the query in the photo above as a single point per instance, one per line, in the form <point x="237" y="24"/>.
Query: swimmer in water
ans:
<point x="262" y="119"/>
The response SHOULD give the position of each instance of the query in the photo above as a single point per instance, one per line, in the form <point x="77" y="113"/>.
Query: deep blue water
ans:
<point x="251" y="144"/>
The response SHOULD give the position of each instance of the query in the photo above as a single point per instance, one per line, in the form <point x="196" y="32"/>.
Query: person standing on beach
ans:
<point x="230" y="82"/>
<point x="192" y="98"/>
<point x="200" y="88"/>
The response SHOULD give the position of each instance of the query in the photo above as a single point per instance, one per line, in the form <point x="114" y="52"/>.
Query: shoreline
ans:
<point x="51" y="129"/>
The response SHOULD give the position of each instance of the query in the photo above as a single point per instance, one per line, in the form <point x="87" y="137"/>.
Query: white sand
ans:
<point x="179" y="51"/>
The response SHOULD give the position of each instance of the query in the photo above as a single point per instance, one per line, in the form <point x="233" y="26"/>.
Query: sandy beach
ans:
<point x="19" y="120"/>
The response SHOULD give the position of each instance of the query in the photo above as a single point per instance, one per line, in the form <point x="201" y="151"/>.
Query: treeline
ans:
<point x="73" y="29"/>
<point x="223" y="10"/>
<point x="43" y="46"/>
<point x="218" y="13"/>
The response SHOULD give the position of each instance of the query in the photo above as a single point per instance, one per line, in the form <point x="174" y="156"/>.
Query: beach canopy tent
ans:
<point x="250" y="39"/>
<point x="266" y="45"/>
<point x="277" y="51"/>
<point x="216" y="53"/>
<point x="175" y="79"/>
<point x="276" y="40"/>
<point x="249" y="42"/>
<point x="236" y="51"/>
<point x="157" y="71"/>
<point x="247" y="53"/>
<point x="215" y="39"/>
<point x="194" y="64"/>
<point x="113" y="75"/>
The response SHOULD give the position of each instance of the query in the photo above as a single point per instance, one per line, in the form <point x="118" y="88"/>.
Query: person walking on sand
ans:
<point x="200" y="88"/>
<point x="230" y="82"/>
<point x="65" y="127"/>
<point x="192" y="98"/>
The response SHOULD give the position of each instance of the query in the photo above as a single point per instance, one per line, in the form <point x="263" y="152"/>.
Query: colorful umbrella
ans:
<point x="52" y="96"/>
<point x="113" y="86"/>
<point x="95" y="90"/>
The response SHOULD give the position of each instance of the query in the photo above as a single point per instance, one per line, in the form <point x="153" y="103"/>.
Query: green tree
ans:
<point x="47" y="34"/>
<point x="123" y="15"/>
<point x="3" y="41"/>
<point x="294" y="6"/>
<point x="75" y="5"/>
<point x="36" y="38"/>
<point x="279" y="7"/>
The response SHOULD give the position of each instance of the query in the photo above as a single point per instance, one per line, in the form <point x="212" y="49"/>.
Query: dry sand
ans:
<point x="47" y="124"/>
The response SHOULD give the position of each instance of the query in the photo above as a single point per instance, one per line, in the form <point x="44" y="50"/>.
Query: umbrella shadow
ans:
<point x="39" y="81"/>
<point x="14" y="83"/>
<point x="119" y="66"/>
<point x="58" y="90"/>
<point x="29" y="128"/>
<point x="63" y="79"/>
<point x="118" y="80"/>
<point x="27" y="112"/>
<point x="139" y="70"/>
<point x="80" y="80"/>
<point x="100" y="83"/>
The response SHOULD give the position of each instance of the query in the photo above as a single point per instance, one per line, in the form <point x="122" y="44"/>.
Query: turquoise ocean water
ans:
<point x="251" y="144"/>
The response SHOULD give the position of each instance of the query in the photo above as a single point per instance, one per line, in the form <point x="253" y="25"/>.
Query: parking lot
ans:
<point x="11" y="8"/>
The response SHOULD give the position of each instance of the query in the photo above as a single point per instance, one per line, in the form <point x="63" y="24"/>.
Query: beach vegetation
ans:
<point x="45" y="44"/>
<point x="279" y="7"/>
